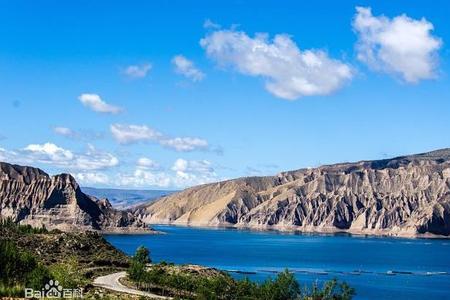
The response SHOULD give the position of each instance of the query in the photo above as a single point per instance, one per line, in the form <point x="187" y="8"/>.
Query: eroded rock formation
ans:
<point x="30" y="196"/>
<point x="403" y="196"/>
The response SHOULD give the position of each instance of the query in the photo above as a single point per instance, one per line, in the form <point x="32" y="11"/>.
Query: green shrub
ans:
<point x="67" y="274"/>
<point x="284" y="286"/>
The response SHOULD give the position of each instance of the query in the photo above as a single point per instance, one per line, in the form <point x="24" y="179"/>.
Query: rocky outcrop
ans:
<point x="30" y="196"/>
<point x="403" y="196"/>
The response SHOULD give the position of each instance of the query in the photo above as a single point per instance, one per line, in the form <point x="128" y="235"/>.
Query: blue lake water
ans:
<point x="377" y="267"/>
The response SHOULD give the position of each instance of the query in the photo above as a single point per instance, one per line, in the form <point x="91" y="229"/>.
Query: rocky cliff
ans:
<point x="403" y="196"/>
<point x="30" y="196"/>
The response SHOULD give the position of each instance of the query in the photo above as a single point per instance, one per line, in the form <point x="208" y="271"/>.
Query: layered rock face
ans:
<point x="403" y="196"/>
<point x="30" y="196"/>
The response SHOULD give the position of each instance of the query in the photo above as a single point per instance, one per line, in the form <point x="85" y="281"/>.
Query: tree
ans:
<point x="332" y="290"/>
<point x="137" y="271"/>
<point x="284" y="287"/>
<point x="142" y="255"/>
<point x="246" y="289"/>
<point x="287" y="286"/>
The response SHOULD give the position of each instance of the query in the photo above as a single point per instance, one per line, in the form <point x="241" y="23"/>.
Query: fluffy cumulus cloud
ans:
<point x="58" y="157"/>
<point x="129" y="134"/>
<point x="401" y="46"/>
<point x="141" y="178"/>
<point x="48" y="153"/>
<point x="145" y="163"/>
<point x="193" y="172"/>
<point x="195" y="166"/>
<point x="290" y="72"/>
<point x="187" y="68"/>
<point x="95" y="103"/>
<point x="92" y="178"/>
<point x="137" y="71"/>
<point x="94" y="167"/>
<point x="94" y="159"/>
<point x="149" y="174"/>
<point x="182" y="174"/>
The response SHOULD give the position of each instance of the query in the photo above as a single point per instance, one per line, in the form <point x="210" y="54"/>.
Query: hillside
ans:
<point x="30" y="196"/>
<point x="88" y="248"/>
<point x="402" y="196"/>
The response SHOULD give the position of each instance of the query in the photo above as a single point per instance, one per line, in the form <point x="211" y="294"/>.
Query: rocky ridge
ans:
<point x="30" y="196"/>
<point x="402" y="196"/>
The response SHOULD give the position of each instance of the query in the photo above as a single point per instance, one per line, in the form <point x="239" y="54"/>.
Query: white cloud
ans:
<point x="187" y="68"/>
<point x="58" y="157"/>
<point x="128" y="134"/>
<point x="93" y="167"/>
<point x="401" y="46"/>
<point x="48" y="153"/>
<point x="184" y="144"/>
<point x="290" y="73"/>
<point x="92" y="178"/>
<point x="183" y="173"/>
<point x="95" y="103"/>
<point x="93" y="159"/>
<point x="66" y="132"/>
<point x="193" y="172"/>
<point x="144" y="178"/>
<point x="4" y="155"/>
<point x="137" y="71"/>
<point x="185" y="169"/>
<point x="196" y="166"/>
<point x="145" y="163"/>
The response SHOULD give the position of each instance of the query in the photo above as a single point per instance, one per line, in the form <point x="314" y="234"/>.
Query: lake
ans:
<point x="377" y="267"/>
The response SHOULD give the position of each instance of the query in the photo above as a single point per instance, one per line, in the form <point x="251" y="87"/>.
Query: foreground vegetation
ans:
<point x="30" y="257"/>
<point x="210" y="284"/>
<point x="19" y="268"/>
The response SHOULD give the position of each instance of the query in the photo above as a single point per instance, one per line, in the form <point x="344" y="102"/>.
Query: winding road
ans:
<point x="111" y="282"/>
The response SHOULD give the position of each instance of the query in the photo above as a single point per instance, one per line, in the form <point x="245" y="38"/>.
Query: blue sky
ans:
<point x="169" y="94"/>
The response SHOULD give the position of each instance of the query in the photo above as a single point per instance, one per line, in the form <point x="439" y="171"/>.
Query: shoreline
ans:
<point x="148" y="230"/>
<point x="299" y="230"/>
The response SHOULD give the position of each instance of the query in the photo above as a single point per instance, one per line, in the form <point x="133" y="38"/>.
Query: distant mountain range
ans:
<point x="124" y="198"/>
<point x="402" y="196"/>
